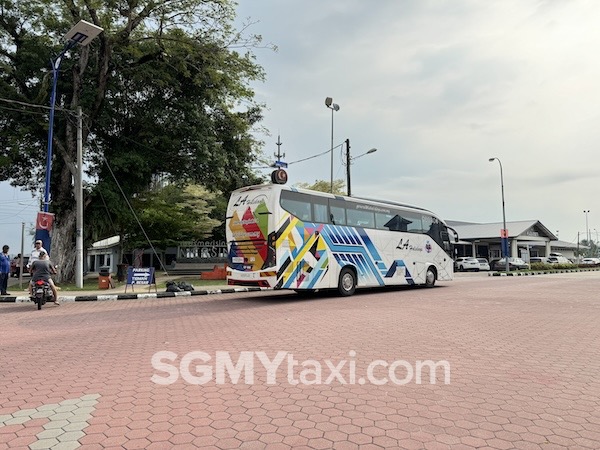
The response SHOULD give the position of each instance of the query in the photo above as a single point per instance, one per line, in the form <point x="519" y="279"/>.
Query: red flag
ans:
<point x="44" y="221"/>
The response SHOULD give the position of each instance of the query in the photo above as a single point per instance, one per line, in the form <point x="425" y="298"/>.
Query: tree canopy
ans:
<point x="164" y="90"/>
<point x="339" y="186"/>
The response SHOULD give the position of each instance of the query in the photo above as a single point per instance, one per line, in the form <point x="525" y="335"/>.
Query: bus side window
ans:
<point x="398" y="223"/>
<point x="320" y="213"/>
<point x="360" y="218"/>
<point x="381" y="219"/>
<point x="338" y="215"/>
<point x="298" y="208"/>
<point x="305" y="214"/>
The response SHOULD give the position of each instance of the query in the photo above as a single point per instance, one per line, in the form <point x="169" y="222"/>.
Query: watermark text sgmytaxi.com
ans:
<point x="198" y="368"/>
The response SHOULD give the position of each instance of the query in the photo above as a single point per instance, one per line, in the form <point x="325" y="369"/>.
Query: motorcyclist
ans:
<point x="42" y="269"/>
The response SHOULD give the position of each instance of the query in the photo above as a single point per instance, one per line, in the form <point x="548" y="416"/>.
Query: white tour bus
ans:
<point x="287" y="238"/>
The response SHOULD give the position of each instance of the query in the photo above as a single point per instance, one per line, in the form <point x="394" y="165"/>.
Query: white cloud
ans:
<point x="439" y="88"/>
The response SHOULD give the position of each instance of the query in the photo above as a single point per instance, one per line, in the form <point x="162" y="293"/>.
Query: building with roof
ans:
<point x="526" y="238"/>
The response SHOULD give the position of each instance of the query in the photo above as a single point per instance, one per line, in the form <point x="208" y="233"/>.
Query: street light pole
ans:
<point x="349" y="160"/>
<point x="587" y="230"/>
<point x="82" y="33"/>
<point x="504" y="230"/>
<point x="334" y="107"/>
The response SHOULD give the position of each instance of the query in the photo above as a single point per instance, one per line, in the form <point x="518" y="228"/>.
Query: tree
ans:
<point x="172" y="214"/>
<point x="163" y="92"/>
<point x="339" y="186"/>
<point x="590" y="248"/>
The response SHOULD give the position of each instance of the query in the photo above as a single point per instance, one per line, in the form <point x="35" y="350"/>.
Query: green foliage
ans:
<point x="564" y="266"/>
<point x="546" y="267"/>
<point x="172" y="214"/>
<point x="590" y="248"/>
<point x="164" y="91"/>
<point x="339" y="186"/>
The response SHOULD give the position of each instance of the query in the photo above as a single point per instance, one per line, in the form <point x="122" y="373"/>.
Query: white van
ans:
<point x="558" y="258"/>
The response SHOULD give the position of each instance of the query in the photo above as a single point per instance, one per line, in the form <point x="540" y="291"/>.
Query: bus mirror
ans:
<point x="279" y="176"/>
<point x="455" y="234"/>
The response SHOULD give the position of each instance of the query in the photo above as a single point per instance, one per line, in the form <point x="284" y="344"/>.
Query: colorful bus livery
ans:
<point x="287" y="238"/>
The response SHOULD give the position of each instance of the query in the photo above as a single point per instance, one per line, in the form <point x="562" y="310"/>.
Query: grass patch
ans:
<point x="542" y="266"/>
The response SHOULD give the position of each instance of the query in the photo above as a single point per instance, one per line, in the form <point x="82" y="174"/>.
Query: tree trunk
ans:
<point x="63" y="251"/>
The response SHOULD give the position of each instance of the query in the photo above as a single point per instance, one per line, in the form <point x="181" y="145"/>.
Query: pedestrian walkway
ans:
<point x="482" y="362"/>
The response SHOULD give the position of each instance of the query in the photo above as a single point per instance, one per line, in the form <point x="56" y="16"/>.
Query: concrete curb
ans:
<point x="150" y="295"/>
<point x="540" y="272"/>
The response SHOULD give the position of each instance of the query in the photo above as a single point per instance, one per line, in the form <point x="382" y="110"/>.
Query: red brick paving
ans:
<point x="523" y="352"/>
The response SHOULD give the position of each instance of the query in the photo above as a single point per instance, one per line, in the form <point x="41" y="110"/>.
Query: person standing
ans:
<point x="35" y="253"/>
<point x="15" y="266"/>
<point x="4" y="270"/>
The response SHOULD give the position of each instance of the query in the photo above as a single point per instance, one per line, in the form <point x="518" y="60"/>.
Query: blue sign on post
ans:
<point x="505" y="247"/>
<point x="140" y="275"/>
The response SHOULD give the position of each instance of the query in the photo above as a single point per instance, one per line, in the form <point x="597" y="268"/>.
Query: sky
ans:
<point x="437" y="88"/>
<point x="18" y="210"/>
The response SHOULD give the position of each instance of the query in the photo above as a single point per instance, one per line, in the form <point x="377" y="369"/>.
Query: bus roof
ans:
<point x="281" y="187"/>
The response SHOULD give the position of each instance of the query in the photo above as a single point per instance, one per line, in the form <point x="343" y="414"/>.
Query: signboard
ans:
<point x="503" y="233"/>
<point x="140" y="275"/>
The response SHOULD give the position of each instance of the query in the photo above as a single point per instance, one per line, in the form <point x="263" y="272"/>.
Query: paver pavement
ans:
<point x="523" y="354"/>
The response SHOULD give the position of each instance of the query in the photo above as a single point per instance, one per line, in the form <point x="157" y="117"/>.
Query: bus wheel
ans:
<point x="430" y="277"/>
<point x="347" y="283"/>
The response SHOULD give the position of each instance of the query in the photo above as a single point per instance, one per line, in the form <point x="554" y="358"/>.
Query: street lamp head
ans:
<point x="333" y="106"/>
<point x="83" y="33"/>
<point x="373" y="150"/>
<point x="492" y="159"/>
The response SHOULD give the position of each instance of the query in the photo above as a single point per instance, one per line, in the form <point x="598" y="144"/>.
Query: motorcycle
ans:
<point x="41" y="293"/>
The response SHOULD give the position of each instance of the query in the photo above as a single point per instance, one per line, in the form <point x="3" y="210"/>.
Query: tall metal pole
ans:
<point x="55" y="66"/>
<point x="504" y="230"/>
<point x="21" y="265"/>
<point x="334" y="107"/>
<point x="82" y="33"/>
<point x="587" y="229"/>
<point x="348" y="166"/>
<point x="331" y="183"/>
<point x="79" y="199"/>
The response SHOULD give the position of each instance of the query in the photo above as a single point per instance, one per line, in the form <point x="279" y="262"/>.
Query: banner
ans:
<point x="505" y="251"/>
<point x="43" y="228"/>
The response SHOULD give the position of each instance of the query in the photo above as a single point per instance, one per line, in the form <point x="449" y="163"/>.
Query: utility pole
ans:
<point x="22" y="255"/>
<point x="348" y="167"/>
<point x="79" y="206"/>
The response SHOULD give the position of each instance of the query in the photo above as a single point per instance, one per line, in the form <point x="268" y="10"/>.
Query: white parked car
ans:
<point x="513" y="264"/>
<point x="465" y="263"/>
<point x="538" y="260"/>
<point x="483" y="264"/>
<point x="558" y="258"/>
<point x="591" y="261"/>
